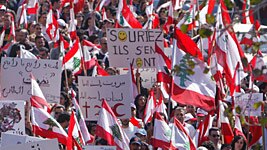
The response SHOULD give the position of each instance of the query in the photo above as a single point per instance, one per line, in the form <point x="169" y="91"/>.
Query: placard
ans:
<point x="8" y="139"/>
<point x="39" y="145"/>
<point x="116" y="90"/>
<point x="93" y="147"/>
<point x="12" y="117"/>
<point x="246" y="103"/>
<point x="16" y="81"/>
<point x="136" y="46"/>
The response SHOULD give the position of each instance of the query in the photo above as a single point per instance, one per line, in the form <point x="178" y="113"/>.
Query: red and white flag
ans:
<point x="51" y="26"/>
<point x="78" y="5"/>
<point x="91" y="47"/>
<point x="125" y="17"/>
<point x="150" y="107"/>
<point x="72" y="60"/>
<point x="74" y="134"/>
<point x="101" y="4"/>
<point x="72" y="26"/>
<point x="247" y="13"/>
<point x="192" y="83"/>
<point x="44" y="125"/>
<point x="38" y="96"/>
<point x="109" y="129"/>
<point x="180" y="139"/>
<point x="32" y="7"/>
<point x="224" y="124"/>
<point x="238" y="128"/>
<point x="134" y="85"/>
<point x="21" y="18"/>
<point x="161" y="134"/>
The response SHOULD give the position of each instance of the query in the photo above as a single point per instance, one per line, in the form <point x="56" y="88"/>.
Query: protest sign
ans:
<point x="38" y="145"/>
<point x="93" y="147"/>
<point x="12" y="117"/>
<point x="116" y="90"/>
<point x="8" y="139"/>
<point x="246" y="103"/>
<point x="136" y="46"/>
<point x="16" y="80"/>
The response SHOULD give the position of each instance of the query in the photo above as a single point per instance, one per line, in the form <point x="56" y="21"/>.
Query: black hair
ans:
<point x="236" y="138"/>
<point x="209" y="145"/>
<point x="63" y="117"/>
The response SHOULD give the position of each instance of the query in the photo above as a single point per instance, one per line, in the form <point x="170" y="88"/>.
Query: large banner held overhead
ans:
<point x="16" y="80"/>
<point x="12" y="117"/>
<point x="116" y="90"/>
<point x="247" y="102"/>
<point x="136" y="46"/>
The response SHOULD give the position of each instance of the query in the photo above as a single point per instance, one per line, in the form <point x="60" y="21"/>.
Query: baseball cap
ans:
<point x="201" y="112"/>
<point x="141" y="131"/>
<point x="135" y="140"/>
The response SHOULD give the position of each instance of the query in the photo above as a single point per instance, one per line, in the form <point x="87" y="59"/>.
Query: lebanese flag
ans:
<point x="254" y="121"/>
<point x="180" y="139"/>
<point x="26" y="54"/>
<point x="195" y="88"/>
<point x="109" y="128"/>
<point x="72" y="26"/>
<point x="52" y="26"/>
<point x="238" y="128"/>
<point x="98" y="70"/>
<point x="32" y="7"/>
<point x="87" y="60"/>
<point x="81" y="121"/>
<point x="38" y="96"/>
<point x="202" y="132"/>
<point x="78" y="4"/>
<point x="21" y="18"/>
<point x="227" y="48"/>
<point x="44" y="125"/>
<point x="101" y="4"/>
<point x="161" y="107"/>
<point x="248" y="38"/>
<point x="247" y="13"/>
<point x="72" y="60"/>
<point x="150" y="107"/>
<point x="224" y="124"/>
<point x="134" y="85"/>
<point x="125" y="17"/>
<point x="259" y="62"/>
<point x="89" y="46"/>
<point x="189" y="18"/>
<point x="161" y="133"/>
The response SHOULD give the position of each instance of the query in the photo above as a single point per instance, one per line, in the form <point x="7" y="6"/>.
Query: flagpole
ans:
<point x="263" y="133"/>
<point x="138" y="81"/>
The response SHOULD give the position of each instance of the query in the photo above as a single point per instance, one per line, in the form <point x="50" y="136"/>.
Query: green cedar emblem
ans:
<point x="76" y="62"/>
<point x="116" y="131"/>
<point x="184" y="71"/>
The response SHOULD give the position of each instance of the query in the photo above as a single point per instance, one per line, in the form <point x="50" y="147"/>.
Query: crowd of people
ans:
<point x="91" y="25"/>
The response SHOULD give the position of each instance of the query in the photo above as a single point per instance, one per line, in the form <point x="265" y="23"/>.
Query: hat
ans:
<point x="201" y="112"/>
<point x="189" y="117"/>
<point x="135" y="140"/>
<point x="141" y="131"/>
<point x="133" y="105"/>
<point x="61" y="22"/>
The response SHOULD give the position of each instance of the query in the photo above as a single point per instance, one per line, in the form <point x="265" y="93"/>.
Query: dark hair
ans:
<point x="209" y="145"/>
<point x="137" y="106"/>
<point x="213" y="129"/>
<point x="63" y="117"/>
<point x="39" y="37"/>
<point x="236" y="138"/>
<point x="101" y="141"/>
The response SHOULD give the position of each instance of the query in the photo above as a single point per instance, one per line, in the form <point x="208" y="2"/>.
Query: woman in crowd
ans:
<point x="140" y="103"/>
<point x="239" y="143"/>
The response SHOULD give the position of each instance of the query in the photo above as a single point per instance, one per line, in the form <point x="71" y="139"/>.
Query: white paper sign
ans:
<point x="16" y="81"/>
<point x="116" y="90"/>
<point x="136" y="46"/>
<point x="92" y="147"/>
<point x="40" y="145"/>
<point x="12" y="117"/>
<point x="8" y="139"/>
<point x="246" y="103"/>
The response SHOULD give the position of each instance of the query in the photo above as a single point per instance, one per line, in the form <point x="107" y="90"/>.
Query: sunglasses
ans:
<point x="57" y="113"/>
<point x="215" y="135"/>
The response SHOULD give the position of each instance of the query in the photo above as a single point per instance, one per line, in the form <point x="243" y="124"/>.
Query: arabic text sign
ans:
<point x="16" y="81"/>
<point x="38" y="145"/>
<point x="12" y="117"/>
<point x="116" y="90"/>
<point x="136" y="46"/>
<point x="246" y="103"/>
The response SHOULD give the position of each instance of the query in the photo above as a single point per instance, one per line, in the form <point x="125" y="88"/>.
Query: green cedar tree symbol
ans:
<point x="188" y="18"/>
<point x="187" y="146"/>
<point x="168" y="133"/>
<point x="116" y="131"/>
<point x="51" y="123"/>
<point x="76" y="62"/>
<point x="183" y="73"/>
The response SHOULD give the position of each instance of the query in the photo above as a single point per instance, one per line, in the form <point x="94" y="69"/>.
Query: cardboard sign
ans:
<point x="136" y="46"/>
<point x="116" y="90"/>
<point x="93" y="147"/>
<point x="246" y="103"/>
<point x="16" y="81"/>
<point x="12" y="117"/>
<point x="39" y="145"/>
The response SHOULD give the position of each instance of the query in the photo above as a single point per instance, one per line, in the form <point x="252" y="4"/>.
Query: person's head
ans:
<point x="190" y="109"/>
<point x="79" y="17"/>
<point x="209" y="145"/>
<point x="226" y="147"/>
<point x="64" y="119"/>
<point x="101" y="141"/>
<point x="239" y="143"/>
<point x="214" y="135"/>
<point x="43" y="18"/>
<point x="56" y="4"/>
<point x="57" y="110"/>
<point x="43" y="53"/>
<point x="142" y="134"/>
<point x="92" y="128"/>
<point x="201" y="115"/>
<point x="68" y="73"/>
<point x="179" y="114"/>
<point x="140" y="101"/>
<point x="63" y="98"/>
<point x="94" y="39"/>
<point x="39" y="41"/>
<point x="133" y="110"/>
<point x="144" y="146"/>
<point x="8" y="17"/>
<point x="103" y="43"/>
<point x="125" y="122"/>
<point x="135" y="143"/>
<point x="38" y="29"/>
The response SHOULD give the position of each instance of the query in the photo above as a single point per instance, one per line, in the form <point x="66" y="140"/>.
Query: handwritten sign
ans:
<point x="39" y="145"/>
<point x="12" y="117"/>
<point x="16" y="81"/>
<point x="116" y="90"/>
<point x="134" y="45"/>
<point x="93" y="147"/>
<point x="148" y="75"/>
<point x="246" y="103"/>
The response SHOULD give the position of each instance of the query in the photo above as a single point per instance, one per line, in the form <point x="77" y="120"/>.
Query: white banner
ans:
<point x="136" y="46"/>
<point x="92" y="147"/>
<point x="12" y="117"/>
<point x="116" y="90"/>
<point x="39" y="145"/>
<point x="246" y="103"/>
<point x="16" y="81"/>
<point x="8" y="139"/>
